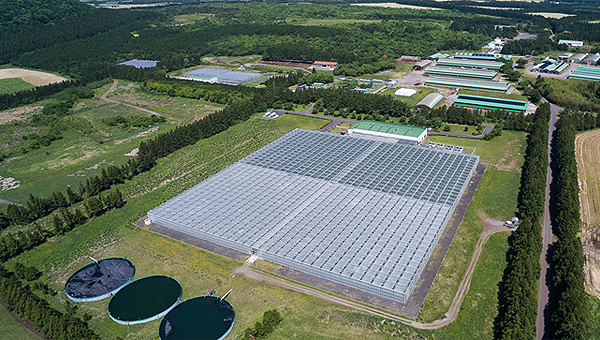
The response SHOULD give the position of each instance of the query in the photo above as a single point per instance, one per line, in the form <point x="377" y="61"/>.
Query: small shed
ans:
<point x="421" y="65"/>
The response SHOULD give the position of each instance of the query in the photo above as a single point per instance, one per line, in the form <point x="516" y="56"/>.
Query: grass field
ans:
<point x="88" y="144"/>
<point x="456" y="128"/>
<point x="395" y="5"/>
<point x="594" y="317"/>
<point x="330" y="22"/>
<point x="12" y="85"/>
<point x="496" y="197"/>
<point x="11" y="329"/>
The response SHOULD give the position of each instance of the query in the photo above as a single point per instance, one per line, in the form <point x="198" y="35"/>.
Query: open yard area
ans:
<point x="36" y="78"/>
<point x="587" y="146"/>
<point x="412" y="100"/>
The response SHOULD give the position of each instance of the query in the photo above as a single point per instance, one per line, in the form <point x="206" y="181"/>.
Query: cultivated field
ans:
<point x="587" y="146"/>
<point x="12" y="85"/>
<point x="36" y="78"/>
<point x="552" y="15"/>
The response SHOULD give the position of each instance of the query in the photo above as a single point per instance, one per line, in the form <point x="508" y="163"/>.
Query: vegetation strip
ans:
<point x="518" y="292"/>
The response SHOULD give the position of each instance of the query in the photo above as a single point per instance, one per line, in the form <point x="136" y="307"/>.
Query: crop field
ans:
<point x="552" y="15"/>
<point x="36" y="78"/>
<point x="304" y="316"/>
<point x="587" y="146"/>
<point x="12" y="85"/>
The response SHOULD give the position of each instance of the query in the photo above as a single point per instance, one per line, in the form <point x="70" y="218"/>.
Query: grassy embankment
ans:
<point x="11" y="329"/>
<point x="12" y="85"/>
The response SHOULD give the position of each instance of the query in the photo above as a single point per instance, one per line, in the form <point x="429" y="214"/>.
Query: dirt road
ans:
<point x="447" y="318"/>
<point x="112" y="88"/>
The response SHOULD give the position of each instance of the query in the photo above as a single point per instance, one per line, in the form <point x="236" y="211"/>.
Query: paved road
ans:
<point x="543" y="317"/>
<point x="488" y="129"/>
<point x="112" y="88"/>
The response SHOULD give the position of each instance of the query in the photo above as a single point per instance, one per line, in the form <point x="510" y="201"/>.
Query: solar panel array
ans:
<point x="223" y="75"/>
<point x="359" y="212"/>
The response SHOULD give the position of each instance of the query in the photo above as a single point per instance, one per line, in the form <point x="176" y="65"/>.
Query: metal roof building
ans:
<point x="593" y="59"/>
<point x="586" y="73"/>
<point x="493" y="86"/>
<point x="422" y="64"/>
<point x="490" y="65"/>
<point x="437" y="56"/>
<point x="362" y="213"/>
<point x="460" y="72"/>
<point x="491" y="103"/>
<point x="408" y="133"/>
<point x="430" y="100"/>
<point x="573" y="43"/>
<point x="482" y="56"/>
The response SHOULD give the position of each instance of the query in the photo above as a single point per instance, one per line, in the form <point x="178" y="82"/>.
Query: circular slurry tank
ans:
<point x="145" y="299"/>
<point x="199" y="318"/>
<point x="99" y="280"/>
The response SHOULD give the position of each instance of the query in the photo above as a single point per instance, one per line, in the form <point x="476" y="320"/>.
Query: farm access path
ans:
<point x="490" y="228"/>
<point x="112" y="88"/>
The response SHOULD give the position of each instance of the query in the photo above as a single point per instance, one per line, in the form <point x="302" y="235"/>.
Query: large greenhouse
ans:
<point x="360" y="212"/>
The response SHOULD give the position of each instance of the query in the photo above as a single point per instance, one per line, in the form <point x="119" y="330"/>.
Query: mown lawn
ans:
<point x="11" y="329"/>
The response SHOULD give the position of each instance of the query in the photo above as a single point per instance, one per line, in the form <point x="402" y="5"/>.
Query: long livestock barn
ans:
<point x="586" y="73"/>
<point x="491" y="103"/>
<point x="453" y="62"/>
<point x="222" y="75"/>
<point x="366" y="214"/>
<point x="482" y="56"/>
<point x="460" y="72"/>
<point x="493" y="86"/>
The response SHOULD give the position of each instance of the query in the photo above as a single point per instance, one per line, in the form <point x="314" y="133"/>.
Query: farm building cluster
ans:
<point x="356" y="211"/>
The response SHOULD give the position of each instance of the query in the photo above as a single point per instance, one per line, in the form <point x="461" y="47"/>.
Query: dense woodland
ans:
<point x="570" y="313"/>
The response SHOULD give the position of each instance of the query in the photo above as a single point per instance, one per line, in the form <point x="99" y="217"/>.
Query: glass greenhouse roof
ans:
<point x="359" y="212"/>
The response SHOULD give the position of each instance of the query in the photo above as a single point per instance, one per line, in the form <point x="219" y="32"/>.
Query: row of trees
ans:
<point x="47" y="320"/>
<point x="569" y="319"/>
<point x="518" y="293"/>
<point x="65" y="219"/>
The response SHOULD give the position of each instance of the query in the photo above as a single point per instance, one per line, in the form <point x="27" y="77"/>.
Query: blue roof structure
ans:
<point x="140" y="63"/>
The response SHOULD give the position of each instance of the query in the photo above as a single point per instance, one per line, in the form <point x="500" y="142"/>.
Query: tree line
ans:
<point x="517" y="312"/>
<point x="570" y="315"/>
<point x="50" y="322"/>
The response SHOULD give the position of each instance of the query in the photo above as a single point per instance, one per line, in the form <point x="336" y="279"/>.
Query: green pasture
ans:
<point x="494" y="150"/>
<point x="457" y="128"/>
<point x="12" y="85"/>
<point x="496" y="198"/>
<point x="11" y="329"/>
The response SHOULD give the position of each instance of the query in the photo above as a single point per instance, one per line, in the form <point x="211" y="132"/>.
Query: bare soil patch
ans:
<point x="36" y="78"/>
<point x="587" y="149"/>
<point x="508" y="162"/>
<point x="16" y="114"/>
